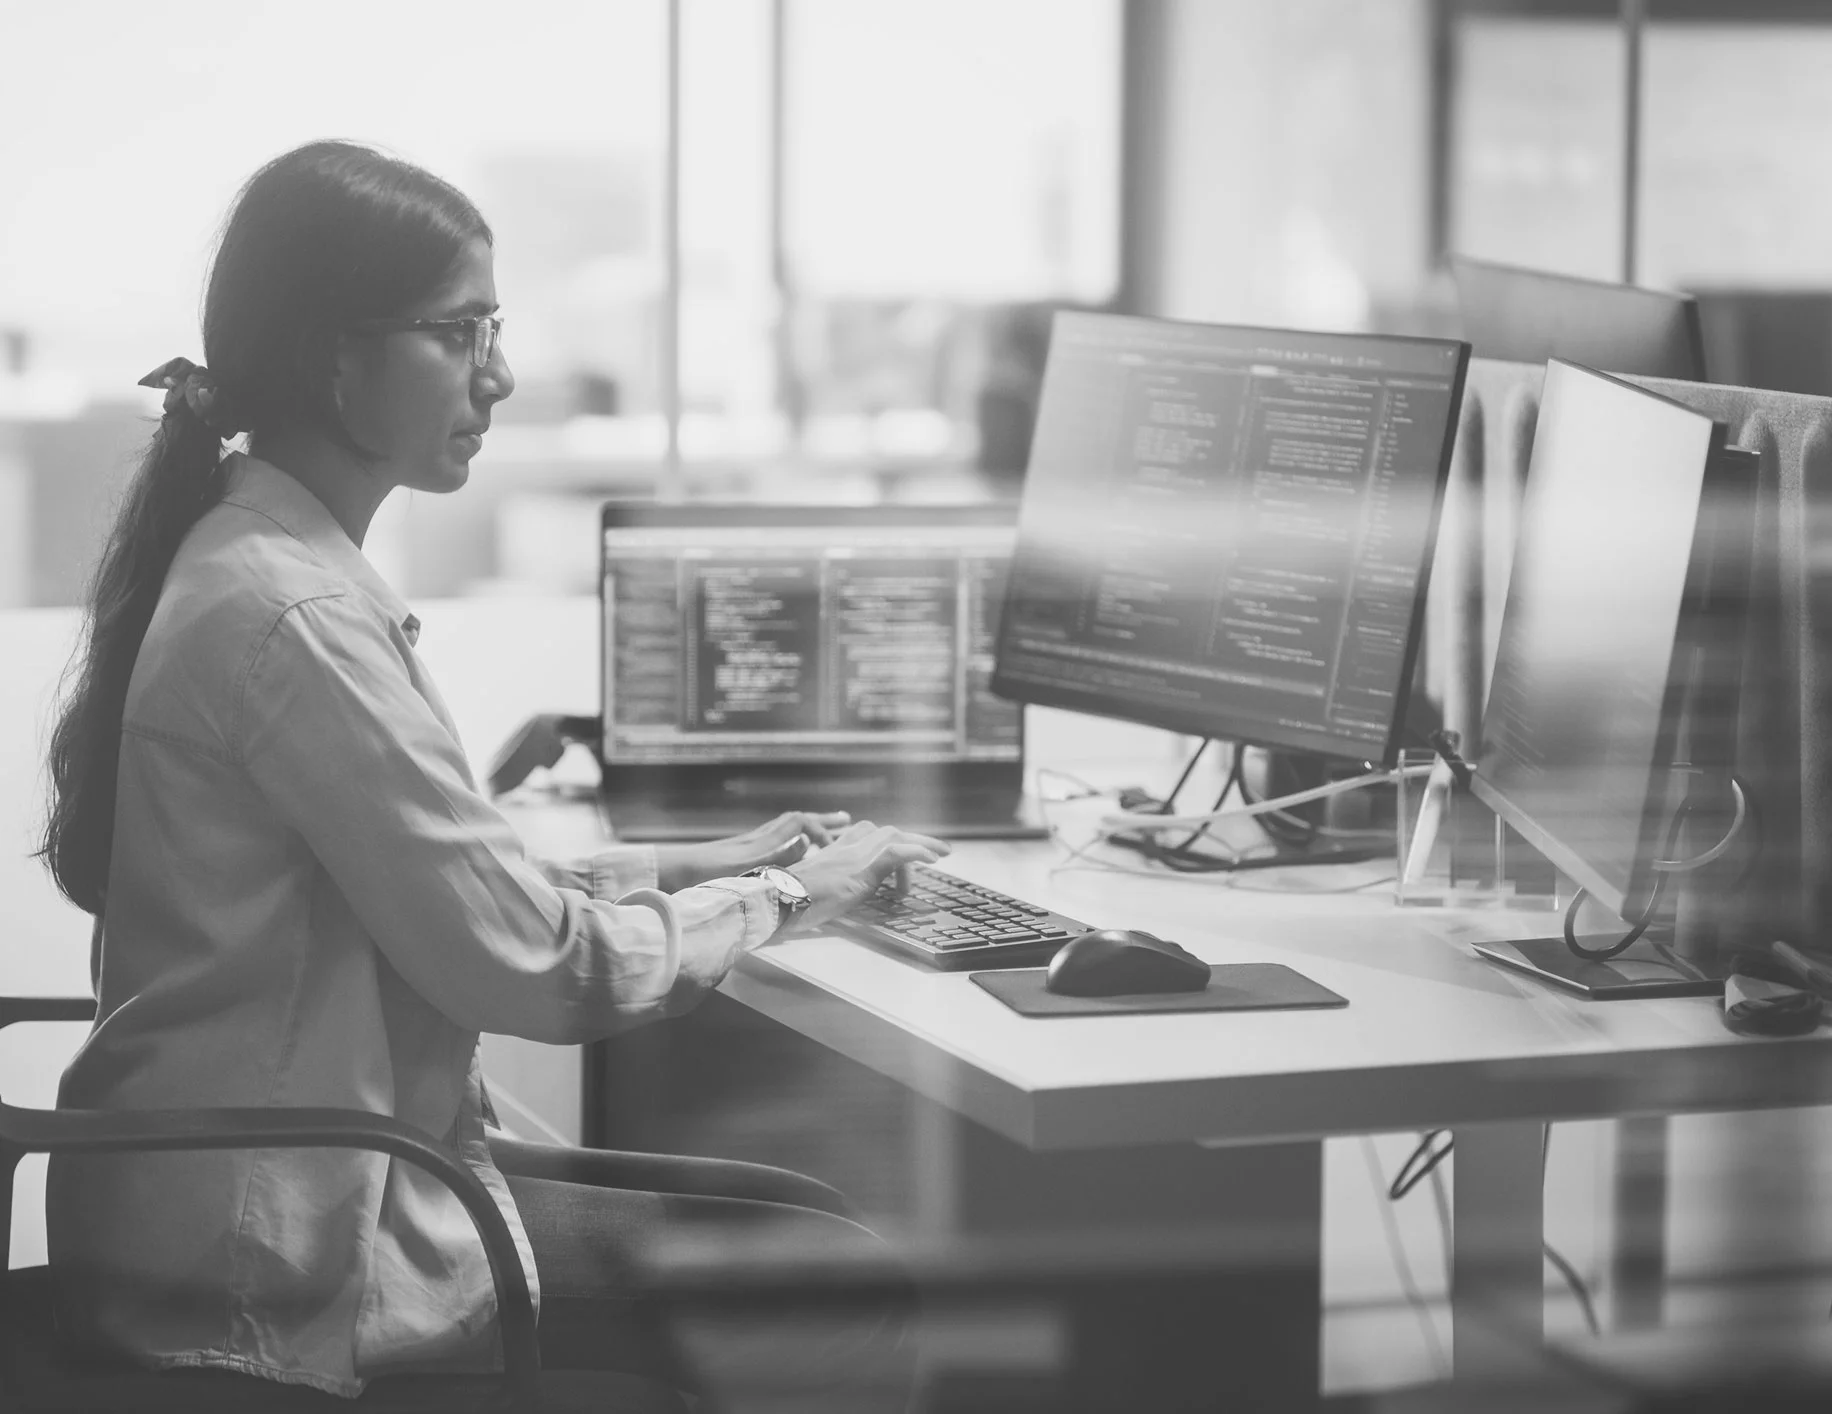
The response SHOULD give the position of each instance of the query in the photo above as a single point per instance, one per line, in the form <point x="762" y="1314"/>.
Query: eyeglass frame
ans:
<point x="478" y="323"/>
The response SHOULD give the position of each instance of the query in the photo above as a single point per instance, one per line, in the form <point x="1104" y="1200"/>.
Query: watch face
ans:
<point x="788" y="885"/>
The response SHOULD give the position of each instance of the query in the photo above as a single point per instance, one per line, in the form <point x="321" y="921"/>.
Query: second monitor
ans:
<point x="1228" y="531"/>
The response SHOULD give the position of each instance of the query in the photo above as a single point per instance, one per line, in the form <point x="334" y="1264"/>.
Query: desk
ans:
<point x="1214" y="1122"/>
<point x="1432" y="1037"/>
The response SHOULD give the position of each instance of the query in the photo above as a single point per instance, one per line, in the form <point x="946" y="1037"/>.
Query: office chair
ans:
<point x="35" y="1375"/>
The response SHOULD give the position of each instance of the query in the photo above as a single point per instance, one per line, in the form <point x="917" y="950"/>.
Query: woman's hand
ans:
<point x="782" y="841"/>
<point x="849" y="870"/>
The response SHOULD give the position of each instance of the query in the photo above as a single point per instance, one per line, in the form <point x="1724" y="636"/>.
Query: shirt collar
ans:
<point x="262" y="487"/>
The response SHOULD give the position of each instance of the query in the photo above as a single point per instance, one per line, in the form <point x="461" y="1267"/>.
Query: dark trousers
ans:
<point x="594" y="1217"/>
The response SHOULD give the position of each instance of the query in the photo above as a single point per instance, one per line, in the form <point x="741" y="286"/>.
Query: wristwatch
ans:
<point x="792" y="896"/>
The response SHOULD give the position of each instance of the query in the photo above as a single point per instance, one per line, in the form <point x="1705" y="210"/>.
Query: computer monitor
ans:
<point x="1228" y="531"/>
<point x="758" y="657"/>
<point x="1529" y="316"/>
<point x="1613" y="694"/>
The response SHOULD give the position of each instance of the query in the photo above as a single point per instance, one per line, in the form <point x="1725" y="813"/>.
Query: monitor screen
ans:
<point x="1227" y="531"/>
<point x="1529" y="316"/>
<point x="1581" y="723"/>
<point x="772" y="633"/>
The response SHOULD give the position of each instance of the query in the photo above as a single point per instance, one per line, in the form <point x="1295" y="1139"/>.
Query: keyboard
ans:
<point x="950" y="924"/>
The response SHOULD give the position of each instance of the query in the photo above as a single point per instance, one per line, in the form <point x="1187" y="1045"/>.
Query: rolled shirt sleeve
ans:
<point x="608" y="874"/>
<point x="334" y="733"/>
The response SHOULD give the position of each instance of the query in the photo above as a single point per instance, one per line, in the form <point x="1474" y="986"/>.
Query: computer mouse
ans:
<point x="1116" y="962"/>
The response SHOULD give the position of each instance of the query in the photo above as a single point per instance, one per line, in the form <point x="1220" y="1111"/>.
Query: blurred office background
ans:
<point x="808" y="248"/>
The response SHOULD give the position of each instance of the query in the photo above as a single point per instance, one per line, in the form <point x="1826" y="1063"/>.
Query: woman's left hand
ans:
<point x="782" y="841"/>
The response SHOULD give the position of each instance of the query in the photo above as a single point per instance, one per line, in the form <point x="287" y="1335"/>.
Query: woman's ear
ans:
<point x="337" y="371"/>
<point x="349" y="367"/>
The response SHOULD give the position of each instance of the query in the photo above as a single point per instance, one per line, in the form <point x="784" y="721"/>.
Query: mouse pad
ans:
<point x="1235" y="986"/>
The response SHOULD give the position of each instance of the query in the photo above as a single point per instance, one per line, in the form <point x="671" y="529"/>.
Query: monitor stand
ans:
<point x="1648" y="968"/>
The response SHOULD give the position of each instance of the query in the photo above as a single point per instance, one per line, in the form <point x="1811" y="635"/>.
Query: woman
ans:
<point x="301" y="898"/>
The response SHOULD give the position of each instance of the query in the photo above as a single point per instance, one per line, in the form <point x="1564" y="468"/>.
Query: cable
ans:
<point x="1196" y="756"/>
<point x="1071" y="852"/>
<point x="1083" y="789"/>
<point x="1195" y="863"/>
<point x="1640" y="926"/>
<point x="1198" y="866"/>
<point x="1440" y="1200"/>
<point x="1233" y="780"/>
<point x="1396" y="1246"/>
<point x="1183" y="858"/>
<point x="1579" y="1288"/>
<point x="1623" y="943"/>
<point x="1281" y="825"/>
<point x="1135" y="820"/>
<point x="1302" y="831"/>
<point x="1245" y="883"/>
<point x="1577" y="1285"/>
<point x="1178" y="859"/>
<point x="1426" y="1157"/>
<point x="1423" y="1162"/>
<point x="1077" y="859"/>
<point x="1752" y="826"/>
<point x="1169" y="855"/>
<point x="1745" y="813"/>
<point x="1699" y="861"/>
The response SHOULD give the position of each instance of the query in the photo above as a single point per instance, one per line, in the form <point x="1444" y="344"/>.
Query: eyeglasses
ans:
<point x="484" y="331"/>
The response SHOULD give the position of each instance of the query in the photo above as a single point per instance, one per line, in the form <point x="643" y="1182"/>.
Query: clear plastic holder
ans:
<point x="1451" y="851"/>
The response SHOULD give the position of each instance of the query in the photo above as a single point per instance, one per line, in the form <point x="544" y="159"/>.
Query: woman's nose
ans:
<point x="494" y="380"/>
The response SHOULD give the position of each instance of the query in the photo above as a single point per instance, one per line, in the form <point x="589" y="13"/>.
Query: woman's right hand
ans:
<point x="845" y="873"/>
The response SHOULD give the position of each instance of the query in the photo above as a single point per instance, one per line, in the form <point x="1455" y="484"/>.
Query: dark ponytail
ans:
<point x="320" y="239"/>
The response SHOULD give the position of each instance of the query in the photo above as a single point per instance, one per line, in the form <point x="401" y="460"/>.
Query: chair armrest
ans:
<point x="46" y="1009"/>
<point x="113" y="1131"/>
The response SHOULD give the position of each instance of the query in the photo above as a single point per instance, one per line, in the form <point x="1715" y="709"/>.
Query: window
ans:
<point x="125" y="132"/>
<point x="878" y="199"/>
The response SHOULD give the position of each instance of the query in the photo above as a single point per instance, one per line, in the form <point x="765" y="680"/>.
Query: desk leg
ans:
<point x="1242" y="1334"/>
<point x="1497" y="1277"/>
<point x="1638" y="1265"/>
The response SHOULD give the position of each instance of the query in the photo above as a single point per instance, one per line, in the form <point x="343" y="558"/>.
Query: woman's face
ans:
<point x="413" y="398"/>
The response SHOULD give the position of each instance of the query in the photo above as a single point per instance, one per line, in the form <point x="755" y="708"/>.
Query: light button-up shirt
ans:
<point x="311" y="903"/>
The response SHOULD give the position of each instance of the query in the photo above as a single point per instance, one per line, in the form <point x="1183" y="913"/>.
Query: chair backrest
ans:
<point x="27" y="1009"/>
<point x="1784" y="741"/>
<point x="24" y="1131"/>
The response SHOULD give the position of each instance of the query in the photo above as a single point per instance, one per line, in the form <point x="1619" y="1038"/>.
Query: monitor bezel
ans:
<point x="1470" y="273"/>
<point x="1204" y="724"/>
<point x="629" y="514"/>
<point x="1695" y="608"/>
